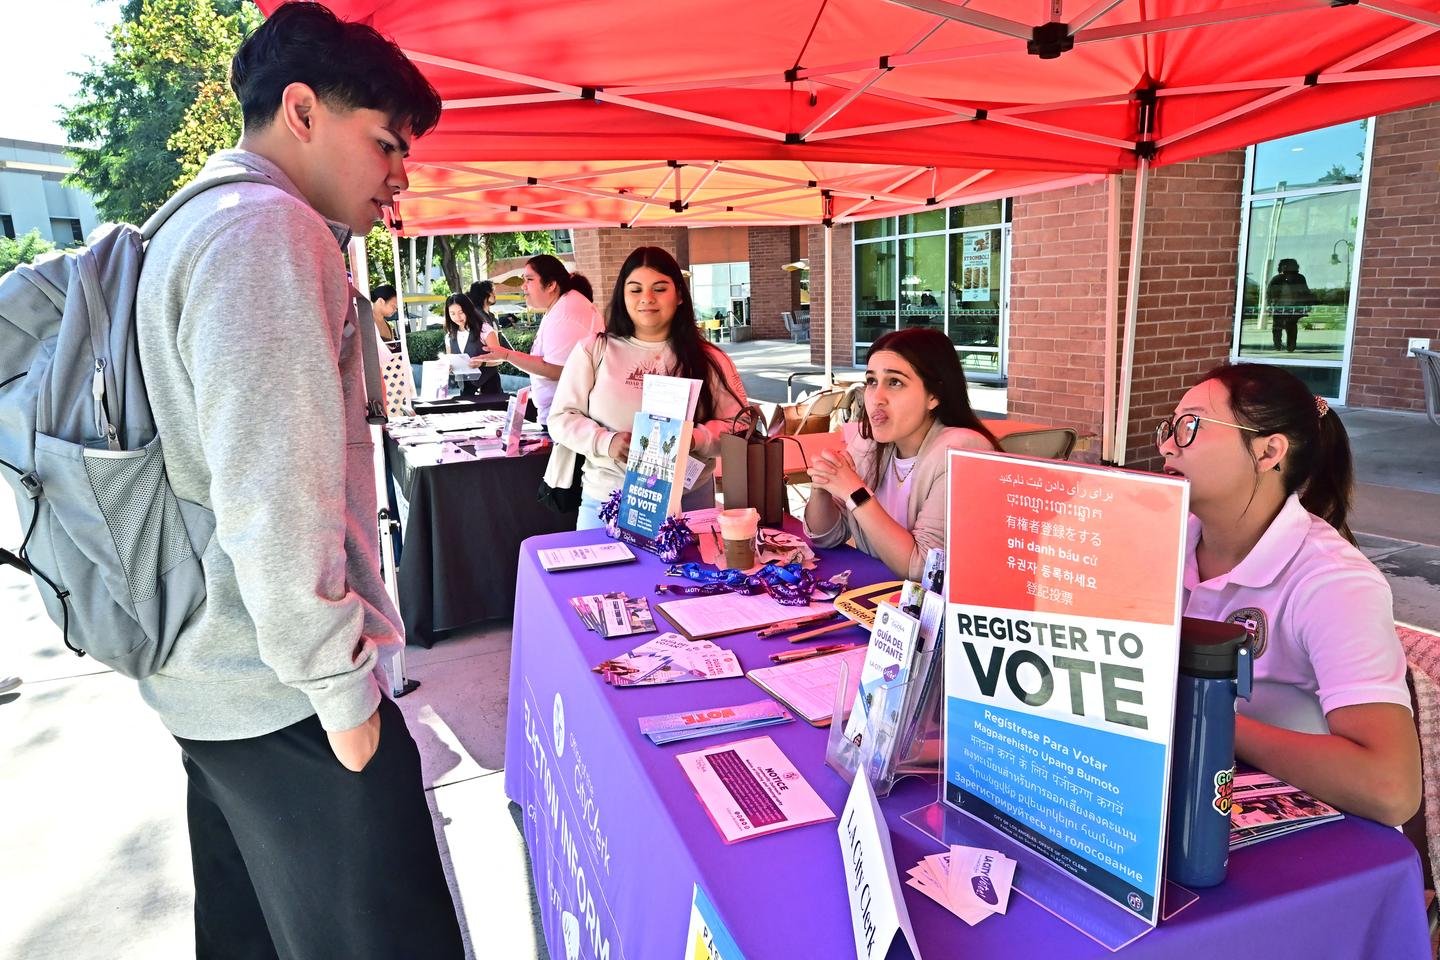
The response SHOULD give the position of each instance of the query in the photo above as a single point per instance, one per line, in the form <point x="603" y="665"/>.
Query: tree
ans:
<point x="24" y="249"/>
<point x="145" y="121"/>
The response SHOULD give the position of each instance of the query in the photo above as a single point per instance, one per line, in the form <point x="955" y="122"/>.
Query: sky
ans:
<point x="44" y="43"/>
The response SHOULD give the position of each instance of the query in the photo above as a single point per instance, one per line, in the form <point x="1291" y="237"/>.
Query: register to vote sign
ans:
<point x="1061" y="652"/>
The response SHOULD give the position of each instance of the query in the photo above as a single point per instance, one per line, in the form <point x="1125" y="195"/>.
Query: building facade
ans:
<point x="32" y="196"/>
<point x="1319" y="252"/>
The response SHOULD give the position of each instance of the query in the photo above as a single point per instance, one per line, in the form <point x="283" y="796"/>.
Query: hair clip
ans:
<point x="1321" y="407"/>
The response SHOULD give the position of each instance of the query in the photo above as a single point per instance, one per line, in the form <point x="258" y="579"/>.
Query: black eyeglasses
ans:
<point x="1184" y="427"/>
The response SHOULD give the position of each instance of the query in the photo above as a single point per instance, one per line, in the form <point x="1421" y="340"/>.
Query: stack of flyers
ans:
<point x="970" y="882"/>
<point x="614" y="614"/>
<point x="673" y="727"/>
<point x="669" y="658"/>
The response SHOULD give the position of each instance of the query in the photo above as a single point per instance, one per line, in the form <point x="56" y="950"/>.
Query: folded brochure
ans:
<point x="669" y="658"/>
<point x="614" y="614"/>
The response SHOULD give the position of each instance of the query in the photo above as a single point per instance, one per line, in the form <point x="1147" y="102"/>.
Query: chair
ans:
<point x="1430" y="374"/>
<point x="811" y="414"/>
<point x="799" y="327"/>
<point x="1054" y="444"/>
<point x="1422" y="654"/>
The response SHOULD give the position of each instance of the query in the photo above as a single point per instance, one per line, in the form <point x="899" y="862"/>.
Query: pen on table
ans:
<point x="792" y="655"/>
<point x="796" y="624"/>
<point x="806" y="635"/>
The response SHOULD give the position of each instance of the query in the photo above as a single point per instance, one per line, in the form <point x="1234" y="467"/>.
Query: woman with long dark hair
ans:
<point x="482" y="294"/>
<point x="887" y="487"/>
<point x="465" y="333"/>
<point x="1270" y="477"/>
<point x="569" y="318"/>
<point x="650" y="328"/>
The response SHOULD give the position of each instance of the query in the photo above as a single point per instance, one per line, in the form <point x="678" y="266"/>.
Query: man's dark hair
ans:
<point x="384" y="291"/>
<point x="348" y="65"/>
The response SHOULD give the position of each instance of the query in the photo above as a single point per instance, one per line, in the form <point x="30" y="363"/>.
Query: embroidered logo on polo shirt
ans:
<point x="1253" y="619"/>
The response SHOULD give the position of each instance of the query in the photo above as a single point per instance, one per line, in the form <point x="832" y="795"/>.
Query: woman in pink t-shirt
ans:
<point x="1270" y="477"/>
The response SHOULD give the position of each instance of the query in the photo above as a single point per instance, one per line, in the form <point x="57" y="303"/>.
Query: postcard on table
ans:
<point x="750" y="788"/>
<point x="586" y="555"/>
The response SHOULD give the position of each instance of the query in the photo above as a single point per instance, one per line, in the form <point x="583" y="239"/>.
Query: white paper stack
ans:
<point x="970" y="882"/>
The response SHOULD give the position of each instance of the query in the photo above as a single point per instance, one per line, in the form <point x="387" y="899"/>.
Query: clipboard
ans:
<point x="721" y="614"/>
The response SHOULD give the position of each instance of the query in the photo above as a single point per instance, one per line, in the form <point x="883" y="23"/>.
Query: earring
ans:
<point x="1276" y="468"/>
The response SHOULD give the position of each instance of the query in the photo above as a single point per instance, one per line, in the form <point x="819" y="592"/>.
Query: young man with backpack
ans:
<point x="309" y="830"/>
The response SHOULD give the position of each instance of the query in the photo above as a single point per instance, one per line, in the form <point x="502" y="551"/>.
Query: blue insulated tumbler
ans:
<point x="1215" y="667"/>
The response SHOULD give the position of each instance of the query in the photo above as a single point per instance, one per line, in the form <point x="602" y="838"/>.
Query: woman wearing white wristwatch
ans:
<point x="887" y="487"/>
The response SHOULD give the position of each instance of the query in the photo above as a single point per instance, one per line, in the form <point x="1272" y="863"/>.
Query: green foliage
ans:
<point x="22" y="250"/>
<point x="425" y="345"/>
<point x="379" y="256"/>
<point x="147" y="119"/>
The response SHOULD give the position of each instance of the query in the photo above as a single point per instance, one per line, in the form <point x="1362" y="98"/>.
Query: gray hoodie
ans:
<point x="248" y="340"/>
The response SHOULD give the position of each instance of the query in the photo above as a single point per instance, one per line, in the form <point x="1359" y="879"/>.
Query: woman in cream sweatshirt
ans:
<point x="650" y="328"/>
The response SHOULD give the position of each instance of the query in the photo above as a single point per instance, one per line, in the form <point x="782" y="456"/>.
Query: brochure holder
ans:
<point x="1039" y="880"/>
<point x="883" y="743"/>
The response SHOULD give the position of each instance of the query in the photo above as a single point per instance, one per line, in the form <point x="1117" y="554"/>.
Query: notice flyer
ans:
<point x="750" y="788"/>
<point x="974" y="280"/>
<point x="1061" y="660"/>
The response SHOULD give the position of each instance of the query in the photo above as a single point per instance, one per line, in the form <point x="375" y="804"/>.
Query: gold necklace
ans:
<point x="895" y="465"/>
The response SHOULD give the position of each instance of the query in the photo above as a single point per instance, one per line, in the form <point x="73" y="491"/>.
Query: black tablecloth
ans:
<point x="462" y="537"/>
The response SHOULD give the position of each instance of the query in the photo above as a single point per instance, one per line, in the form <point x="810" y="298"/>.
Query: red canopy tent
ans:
<point x="551" y="108"/>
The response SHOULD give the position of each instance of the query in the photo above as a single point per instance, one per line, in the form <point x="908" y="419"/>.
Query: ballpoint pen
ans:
<point x="792" y="655"/>
<point x="828" y="628"/>
<point x="797" y="623"/>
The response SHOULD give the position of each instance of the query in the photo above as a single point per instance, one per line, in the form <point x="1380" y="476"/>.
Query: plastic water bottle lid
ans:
<point x="1208" y="648"/>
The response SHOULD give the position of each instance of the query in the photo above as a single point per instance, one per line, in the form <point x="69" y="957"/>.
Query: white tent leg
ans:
<point x="429" y="260"/>
<point x="1132" y="310"/>
<point x="403" y="326"/>
<point x="385" y="523"/>
<point x="829" y="301"/>
<point x="1112" y="315"/>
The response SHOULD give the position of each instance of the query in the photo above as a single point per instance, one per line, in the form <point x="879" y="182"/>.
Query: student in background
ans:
<point x="650" y="328"/>
<point x="465" y="334"/>
<point x="887" y="487"/>
<point x="569" y="319"/>
<point x="384" y="304"/>
<point x="1270" y="483"/>
<point x="482" y="295"/>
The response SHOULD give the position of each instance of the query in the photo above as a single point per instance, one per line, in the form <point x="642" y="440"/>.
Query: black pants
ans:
<point x="1288" y="327"/>
<point x="297" y="857"/>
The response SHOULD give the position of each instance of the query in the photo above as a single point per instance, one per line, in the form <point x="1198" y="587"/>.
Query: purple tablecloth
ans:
<point x="617" y="837"/>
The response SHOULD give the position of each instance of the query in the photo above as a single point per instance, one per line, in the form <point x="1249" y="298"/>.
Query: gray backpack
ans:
<point x="116" y="555"/>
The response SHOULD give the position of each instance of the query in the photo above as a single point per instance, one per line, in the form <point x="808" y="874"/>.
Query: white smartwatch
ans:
<point x="858" y="498"/>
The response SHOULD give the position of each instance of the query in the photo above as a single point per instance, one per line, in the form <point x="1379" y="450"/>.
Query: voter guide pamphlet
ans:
<point x="586" y="555"/>
<point x="672" y="727"/>
<point x="750" y="788"/>
<point x="1263" y="807"/>
<point x="708" y="938"/>
<point x="659" y="442"/>
<point x="614" y="614"/>
<point x="970" y="882"/>
<point x="669" y="658"/>
<point x="893" y="640"/>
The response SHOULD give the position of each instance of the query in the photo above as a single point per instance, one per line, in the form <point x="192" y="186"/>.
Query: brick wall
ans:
<point x="1399" y="294"/>
<point x="599" y="253"/>
<point x="1187" y="296"/>
<point x="773" y="290"/>
<point x="843" y="299"/>
<point x="719" y="244"/>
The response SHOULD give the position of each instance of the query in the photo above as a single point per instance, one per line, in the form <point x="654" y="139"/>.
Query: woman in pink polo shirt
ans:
<point x="1270" y="481"/>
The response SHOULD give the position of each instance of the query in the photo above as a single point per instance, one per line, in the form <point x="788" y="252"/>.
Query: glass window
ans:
<point x="1320" y="158"/>
<point x="974" y="298"/>
<point x="922" y="282"/>
<point x="717" y="287"/>
<point x="978" y="214"/>
<point x="871" y="229"/>
<point x="7" y="226"/>
<point x="66" y="231"/>
<point x="923" y="222"/>
<point x="875" y="297"/>
<point x="1298" y="263"/>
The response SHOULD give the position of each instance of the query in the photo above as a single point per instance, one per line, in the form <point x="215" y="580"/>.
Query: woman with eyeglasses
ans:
<point x="886" y="489"/>
<point x="1270" y="478"/>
